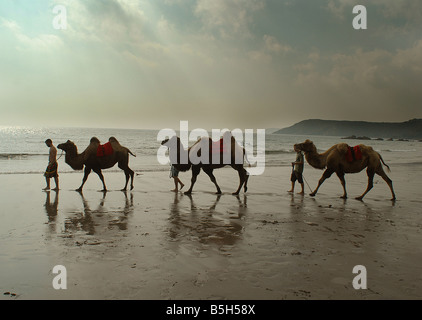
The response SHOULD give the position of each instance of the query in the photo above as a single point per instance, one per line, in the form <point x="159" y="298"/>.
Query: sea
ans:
<point x="23" y="150"/>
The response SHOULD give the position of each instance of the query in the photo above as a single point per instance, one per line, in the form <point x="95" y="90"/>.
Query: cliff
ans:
<point x="411" y="129"/>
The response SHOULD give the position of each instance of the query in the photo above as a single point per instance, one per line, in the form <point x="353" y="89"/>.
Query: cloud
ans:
<point x="260" y="56"/>
<point x="338" y="7"/>
<point x="409" y="10"/>
<point x="377" y="68"/>
<point x="273" y="45"/>
<point x="228" y="18"/>
<point x="39" y="43"/>
<point x="364" y="82"/>
<point x="253" y="60"/>
<point x="107" y="21"/>
<point x="175" y="2"/>
<point x="269" y="49"/>
<point x="409" y="59"/>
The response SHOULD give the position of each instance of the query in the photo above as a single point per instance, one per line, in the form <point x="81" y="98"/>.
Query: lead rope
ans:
<point x="307" y="183"/>
<point x="60" y="156"/>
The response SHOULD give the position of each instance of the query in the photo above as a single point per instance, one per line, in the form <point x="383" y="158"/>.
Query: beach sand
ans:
<point x="151" y="243"/>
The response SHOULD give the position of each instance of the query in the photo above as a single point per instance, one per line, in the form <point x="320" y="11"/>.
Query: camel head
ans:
<point x="175" y="148"/>
<point x="307" y="146"/>
<point x="172" y="142"/>
<point x="71" y="155"/>
<point x="68" y="147"/>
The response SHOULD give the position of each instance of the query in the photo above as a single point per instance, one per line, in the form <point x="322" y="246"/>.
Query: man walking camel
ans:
<point x="51" y="171"/>
<point x="297" y="171"/>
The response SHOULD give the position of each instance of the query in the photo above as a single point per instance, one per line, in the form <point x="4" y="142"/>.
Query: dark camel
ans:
<point x="334" y="160"/>
<point x="177" y="149"/>
<point x="91" y="161"/>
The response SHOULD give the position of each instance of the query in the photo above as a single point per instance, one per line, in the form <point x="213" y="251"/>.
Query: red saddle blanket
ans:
<point x="353" y="153"/>
<point x="104" y="150"/>
<point x="218" y="147"/>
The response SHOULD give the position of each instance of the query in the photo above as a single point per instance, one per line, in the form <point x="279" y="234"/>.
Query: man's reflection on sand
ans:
<point x="296" y="204"/>
<point x="101" y="218"/>
<point x="51" y="209"/>
<point x="206" y="224"/>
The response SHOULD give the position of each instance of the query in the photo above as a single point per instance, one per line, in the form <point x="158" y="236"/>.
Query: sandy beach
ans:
<point x="151" y="243"/>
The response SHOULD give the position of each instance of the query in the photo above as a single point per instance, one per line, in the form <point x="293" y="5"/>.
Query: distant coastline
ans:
<point x="360" y="130"/>
<point x="353" y="137"/>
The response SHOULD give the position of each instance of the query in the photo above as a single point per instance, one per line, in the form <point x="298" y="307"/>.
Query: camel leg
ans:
<point x="245" y="188"/>
<point x="87" y="171"/>
<point x="371" y="174"/>
<point x="124" y="167"/>
<point x="327" y="173"/>
<point x="132" y="174"/>
<point x="340" y="175"/>
<point x="213" y="179"/>
<point x="383" y="175"/>
<point x="242" y="179"/>
<point x="100" y="174"/>
<point x="128" y="173"/>
<point x="195" y="171"/>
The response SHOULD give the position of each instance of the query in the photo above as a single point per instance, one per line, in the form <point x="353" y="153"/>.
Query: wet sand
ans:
<point x="151" y="243"/>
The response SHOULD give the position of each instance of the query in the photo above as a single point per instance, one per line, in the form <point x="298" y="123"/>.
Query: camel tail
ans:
<point x="382" y="160"/>
<point x="127" y="149"/>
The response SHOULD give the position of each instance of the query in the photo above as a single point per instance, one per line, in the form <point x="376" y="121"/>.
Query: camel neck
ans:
<point x="74" y="160"/>
<point x="316" y="159"/>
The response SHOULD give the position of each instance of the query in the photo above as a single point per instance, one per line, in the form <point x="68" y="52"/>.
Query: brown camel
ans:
<point x="93" y="161"/>
<point x="181" y="160"/>
<point x="335" y="160"/>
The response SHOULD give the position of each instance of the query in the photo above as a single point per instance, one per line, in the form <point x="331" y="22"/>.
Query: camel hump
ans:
<point x="118" y="147"/>
<point x="94" y="140"/>
<point x="342" y="148"/>
<point x="367" y="149"/>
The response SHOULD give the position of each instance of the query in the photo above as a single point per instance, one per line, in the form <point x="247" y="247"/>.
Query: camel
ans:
<point x="175" y="146"/>
<point x="334" y="160"/>
<point x="92" y="161"/>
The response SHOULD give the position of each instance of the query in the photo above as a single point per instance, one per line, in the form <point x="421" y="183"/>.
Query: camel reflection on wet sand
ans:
<point x="206" y="224"/>
<point x="89" y="220"/>
<point x="190" y="219"/>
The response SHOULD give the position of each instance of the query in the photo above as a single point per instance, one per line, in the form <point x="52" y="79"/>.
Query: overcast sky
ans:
<point x="216" y="63"/>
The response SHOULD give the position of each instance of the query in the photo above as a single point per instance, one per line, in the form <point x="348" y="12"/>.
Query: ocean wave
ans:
<point x="136" y="170"/>
<point x="164" y="169"/>
<point x="12" y="156"/>
<point x="415" y="163"/>
<point x="393" y="150"/>
<point x="23" y="172"/>
<point x="283" y="151"/>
